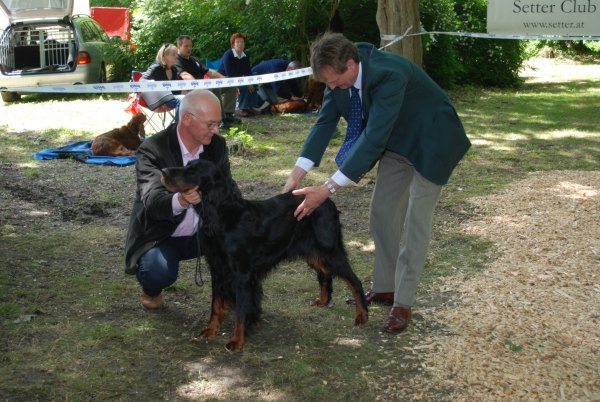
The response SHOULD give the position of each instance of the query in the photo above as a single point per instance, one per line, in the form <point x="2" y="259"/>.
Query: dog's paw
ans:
<point x="361" y="318"/>
<point x="234" y="345"/>
<point x="319" y="302"/>
<point x="208" y="333"/>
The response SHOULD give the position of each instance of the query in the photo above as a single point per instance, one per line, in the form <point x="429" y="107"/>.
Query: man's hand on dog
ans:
<point x="189" y="197"/>
<point x="313" y="197"/>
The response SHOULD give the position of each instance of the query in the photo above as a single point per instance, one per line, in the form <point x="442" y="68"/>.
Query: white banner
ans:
<point x="544" y="17"/>
<point x="176" y="85"/>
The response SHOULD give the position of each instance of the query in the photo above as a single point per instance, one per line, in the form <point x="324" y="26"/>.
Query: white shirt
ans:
<point x="189" y="224"/>
<point x="338" y="177"/>
<point x="239" y="56"/>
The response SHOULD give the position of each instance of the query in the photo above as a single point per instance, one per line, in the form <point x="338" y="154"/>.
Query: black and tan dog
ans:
<point x="243" y="241"/>
<point x="121" y="141"/>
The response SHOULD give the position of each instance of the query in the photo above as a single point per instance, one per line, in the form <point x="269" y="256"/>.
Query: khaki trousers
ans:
<point x="402" y="209"/>
<point x="227" y="96"/>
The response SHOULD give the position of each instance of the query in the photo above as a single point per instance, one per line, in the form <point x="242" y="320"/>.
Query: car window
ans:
<point x="90" y="33"/>
<point x="101" y="33"/>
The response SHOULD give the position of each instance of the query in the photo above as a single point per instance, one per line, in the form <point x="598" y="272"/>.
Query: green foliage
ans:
<point x="514" y="347"/>
<point x="155" y="23"/>
<point x="439" y="55"/>
<point x="491" y="62"/>
<point x="239" y="140"/>
<point x="123" y="57"/>
<point x="567" y="48"/>
<point x="111" y="3"/>
<point x="359" y="18"/>
<point x="9" y="310"/>
<point x="286" y="28"/>
<point x="453" y="60"/>
<point x="274" y="30"/>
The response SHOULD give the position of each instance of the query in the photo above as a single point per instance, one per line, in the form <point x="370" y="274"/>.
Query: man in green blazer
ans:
<point x="163" y="227"/>
<point x="411" y="128"/>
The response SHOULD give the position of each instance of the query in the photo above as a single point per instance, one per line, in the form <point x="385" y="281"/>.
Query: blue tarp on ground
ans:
<point x="82" y="151"/>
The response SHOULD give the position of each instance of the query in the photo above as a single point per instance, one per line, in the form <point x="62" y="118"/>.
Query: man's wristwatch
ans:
<point x="330" y="187"/>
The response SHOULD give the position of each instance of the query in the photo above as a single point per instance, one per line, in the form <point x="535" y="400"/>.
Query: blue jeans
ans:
<point x="247" y="99"/>
<point x="159" y="267"/>
<point x="265" y="92"/>
<point x="174" y="103"/>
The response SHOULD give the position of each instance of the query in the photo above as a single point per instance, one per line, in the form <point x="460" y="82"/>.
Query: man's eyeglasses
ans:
<point x="211" y="125"/>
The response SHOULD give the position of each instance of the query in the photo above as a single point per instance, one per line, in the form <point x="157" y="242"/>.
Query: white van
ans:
<point x="45" y="44"/>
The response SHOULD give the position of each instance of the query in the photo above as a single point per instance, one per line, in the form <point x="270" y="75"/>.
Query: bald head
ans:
<point x="198" y="101"/>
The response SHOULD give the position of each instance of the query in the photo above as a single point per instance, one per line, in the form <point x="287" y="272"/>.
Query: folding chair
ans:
<point x="152" y="104"/>
<point x="213" y="65"/>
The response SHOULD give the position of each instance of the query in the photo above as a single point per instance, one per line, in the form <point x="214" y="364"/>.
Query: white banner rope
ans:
<point x="176" y="85"/>
<point x="396" y="38"/>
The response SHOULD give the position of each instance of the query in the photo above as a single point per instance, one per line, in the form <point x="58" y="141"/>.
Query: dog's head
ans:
<point x="200" y="172"/>
<point x="136" y="125"/>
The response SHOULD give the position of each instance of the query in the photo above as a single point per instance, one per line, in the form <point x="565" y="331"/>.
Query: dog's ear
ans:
<point x="137" y="125"/>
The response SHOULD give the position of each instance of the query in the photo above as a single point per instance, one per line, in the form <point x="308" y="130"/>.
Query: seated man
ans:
<point x="278" y="91"/>
<point x="163" y="227"/>
<point x="191" y="68"/>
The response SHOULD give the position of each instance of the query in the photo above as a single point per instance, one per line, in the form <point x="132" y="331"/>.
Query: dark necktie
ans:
<point x="354" y="126"/>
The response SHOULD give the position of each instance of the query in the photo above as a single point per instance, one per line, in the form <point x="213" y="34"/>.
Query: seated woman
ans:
<point x="164" y="69"/>
<point x="236" y="63"/>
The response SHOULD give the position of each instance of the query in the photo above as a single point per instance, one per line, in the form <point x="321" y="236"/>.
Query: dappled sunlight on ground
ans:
<point x="368" y="245"/>
<point x="556" y="73"/>
<point x="572" y="190"/>
<point x="54" y="115"/>
<point x="212" y="379"/>
<point x="353" y="343"/>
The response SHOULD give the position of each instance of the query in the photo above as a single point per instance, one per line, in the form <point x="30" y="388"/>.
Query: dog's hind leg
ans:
<point x="217" y="315"/>
<point x="340" y="266"/>
<point x="362" y="314"/>
<point x="325" y="281"/>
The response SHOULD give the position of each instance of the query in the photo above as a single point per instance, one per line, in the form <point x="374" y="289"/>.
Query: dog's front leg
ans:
<point x="217" y="315"/>
<point x="237" y="341"/>
<point x="248" y="293"/>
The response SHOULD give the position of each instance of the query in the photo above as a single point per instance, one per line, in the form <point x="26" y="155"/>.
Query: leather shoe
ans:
<point x="386" y="298"/>
<point x="397" y="320"/>
<point x="150" y="303"/>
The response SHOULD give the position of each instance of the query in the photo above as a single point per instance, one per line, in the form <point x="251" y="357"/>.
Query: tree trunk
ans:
<point x="393" y="18"/>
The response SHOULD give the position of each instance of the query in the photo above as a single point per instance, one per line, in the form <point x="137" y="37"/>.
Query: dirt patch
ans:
<point x="529" y="327"/>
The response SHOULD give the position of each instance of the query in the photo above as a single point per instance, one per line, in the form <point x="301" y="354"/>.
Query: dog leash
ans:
<point x="198" y="274"/>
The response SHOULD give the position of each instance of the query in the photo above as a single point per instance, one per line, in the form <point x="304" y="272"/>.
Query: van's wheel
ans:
<point x="10" y="96"/>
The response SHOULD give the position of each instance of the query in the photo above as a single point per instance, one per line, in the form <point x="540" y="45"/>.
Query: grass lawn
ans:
<point x="70" y="321"/>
